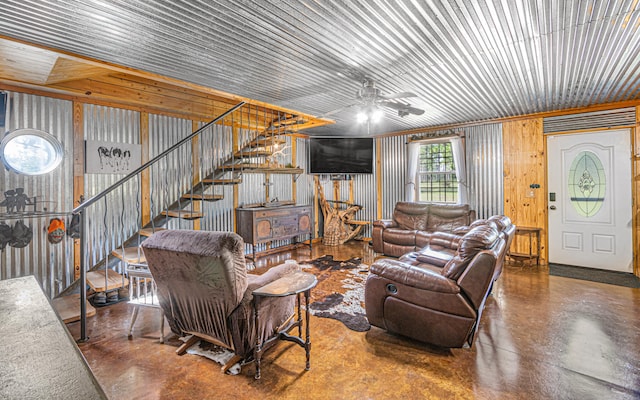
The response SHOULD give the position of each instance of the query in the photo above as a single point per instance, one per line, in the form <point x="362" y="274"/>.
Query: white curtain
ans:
<point x="457" y="148"/>
<point x="412" y="171"/>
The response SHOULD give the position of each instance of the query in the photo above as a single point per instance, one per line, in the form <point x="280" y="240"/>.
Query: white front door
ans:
<point x="589" y="177"/>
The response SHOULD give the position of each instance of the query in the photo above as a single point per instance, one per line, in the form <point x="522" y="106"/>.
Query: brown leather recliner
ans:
<point x="414" y="222"/>
<point x="205" y="290"/>
<point x="433" y="302"/>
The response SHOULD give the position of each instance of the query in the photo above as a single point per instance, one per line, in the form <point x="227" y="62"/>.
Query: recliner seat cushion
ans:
<point x="414" y="276"/>
<point x="399" y="236"/>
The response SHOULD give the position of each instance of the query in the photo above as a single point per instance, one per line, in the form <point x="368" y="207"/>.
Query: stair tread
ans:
<point x="270" y="141"/>
<point x="149" y="231"/>
<point x="184" y="214"/>
<point x="246" y="167"/>
<point x="96" y="280"/>
<point x="68" y="308"/>
<point x="223" y="181"/>
<point x="252" y="153"/>
<point x="132" y="255"/>
<point x="205" y="197"/>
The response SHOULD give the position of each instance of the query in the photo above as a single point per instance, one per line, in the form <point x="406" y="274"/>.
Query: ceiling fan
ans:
<point x="369" y="98"/>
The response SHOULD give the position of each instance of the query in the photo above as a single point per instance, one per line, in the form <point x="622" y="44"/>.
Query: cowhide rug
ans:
<point x="340" y="290"/>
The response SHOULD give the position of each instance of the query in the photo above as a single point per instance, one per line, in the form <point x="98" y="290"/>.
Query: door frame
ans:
<point x="635" y="183"/>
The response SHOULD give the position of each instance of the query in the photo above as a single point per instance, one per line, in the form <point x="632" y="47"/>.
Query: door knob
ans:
<point x="552" y="207"/>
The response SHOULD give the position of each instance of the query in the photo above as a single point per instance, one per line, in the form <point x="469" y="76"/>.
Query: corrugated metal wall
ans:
<point x="485" y="169"/>
<point x="592" y="120"/>
<point x="52" y="264"/>
<point x="215" y="146"/>
<point x="393" y="152"/>
<point x="115" y="219"/>
<point x="172" y="176"/>
<point x="304" y="182"/>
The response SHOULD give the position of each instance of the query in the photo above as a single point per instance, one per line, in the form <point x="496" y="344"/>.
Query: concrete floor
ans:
<point x="540" y="337"/>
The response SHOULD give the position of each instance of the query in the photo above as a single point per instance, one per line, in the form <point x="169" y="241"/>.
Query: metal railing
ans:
<point x="81" y="210"/>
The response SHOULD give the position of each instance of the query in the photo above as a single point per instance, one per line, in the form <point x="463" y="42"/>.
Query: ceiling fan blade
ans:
<point x="337" y="110"/>
<point x="402" y="108"/>
<point x="400" y="95"/>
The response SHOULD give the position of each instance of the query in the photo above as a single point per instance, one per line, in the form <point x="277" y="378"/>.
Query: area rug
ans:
<point x="595" y="275"/>
<point x="213" y="352"/>
<point x="340" y="291"/>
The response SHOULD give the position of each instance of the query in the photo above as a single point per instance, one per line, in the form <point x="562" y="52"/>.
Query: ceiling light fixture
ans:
<point x="370" y="114"/>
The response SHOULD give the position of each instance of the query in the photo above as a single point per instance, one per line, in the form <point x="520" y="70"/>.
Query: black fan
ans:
<point x="369" y="96"/>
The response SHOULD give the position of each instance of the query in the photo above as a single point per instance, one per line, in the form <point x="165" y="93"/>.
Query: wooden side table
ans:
<point x="295" y="283"/>
<point x="531" y="232"/>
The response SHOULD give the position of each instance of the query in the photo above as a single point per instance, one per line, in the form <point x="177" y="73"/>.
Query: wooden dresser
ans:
<point x="266" y="224"/>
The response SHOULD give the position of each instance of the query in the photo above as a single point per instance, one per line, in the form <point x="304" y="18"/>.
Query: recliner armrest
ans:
<point x="385" y="223"/>
<point x="413" y="276"/>
<point x="257" y="281"/>
<point x="477" y="278"/>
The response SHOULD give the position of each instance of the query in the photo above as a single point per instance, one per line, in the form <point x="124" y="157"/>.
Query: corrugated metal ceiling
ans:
<point x="465" y="60"/>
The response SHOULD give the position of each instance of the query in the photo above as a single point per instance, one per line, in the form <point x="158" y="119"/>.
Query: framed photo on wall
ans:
<point x="111" y="158"/>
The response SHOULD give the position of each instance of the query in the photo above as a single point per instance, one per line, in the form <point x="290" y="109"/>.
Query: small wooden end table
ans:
<point x="531" y="232"/>
<point x="294" y="283"/>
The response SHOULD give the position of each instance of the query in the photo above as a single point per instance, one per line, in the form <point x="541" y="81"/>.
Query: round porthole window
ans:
<point x="30" y="152"/>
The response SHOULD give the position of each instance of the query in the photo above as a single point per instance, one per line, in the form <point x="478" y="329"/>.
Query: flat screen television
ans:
<point x="340" y="155"/>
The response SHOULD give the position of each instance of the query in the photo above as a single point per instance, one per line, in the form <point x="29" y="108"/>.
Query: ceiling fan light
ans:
<point x="362" y="117"/>
<point x="376" y="115"/>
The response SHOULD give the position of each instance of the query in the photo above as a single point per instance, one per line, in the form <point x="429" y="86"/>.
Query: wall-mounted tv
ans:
<point x="340" y="155"/>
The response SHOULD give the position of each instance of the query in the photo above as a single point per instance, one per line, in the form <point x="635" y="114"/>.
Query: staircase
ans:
<point x="256" y="155"/>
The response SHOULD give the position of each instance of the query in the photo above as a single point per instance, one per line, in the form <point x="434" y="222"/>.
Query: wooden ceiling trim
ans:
<point x="71" y="70"/>
<point x="64" y="75"/>
<point x="140" y="83"/>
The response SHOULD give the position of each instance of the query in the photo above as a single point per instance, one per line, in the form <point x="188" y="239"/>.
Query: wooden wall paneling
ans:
<point x="350" y="200"/>
<point x="78" y="174"/>
<point x="294" y="162"/>
<point x="525" y="164"/>
<point x="379" y="182"/>
<point x="635" y="137"/>
<point x="195" y="165"/>
<point x="145" y="186"/>
<point x="316" y="208"/>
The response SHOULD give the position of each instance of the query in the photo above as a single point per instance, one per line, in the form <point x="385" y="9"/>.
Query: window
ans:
<point x="30" y="152"/>
<point x="587" y="184"/>
<point x="437" y="173"/>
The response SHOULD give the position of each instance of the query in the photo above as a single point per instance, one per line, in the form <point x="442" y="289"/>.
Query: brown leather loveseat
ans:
<point x="437" y="301"/>
<point x="413" y="223"/>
